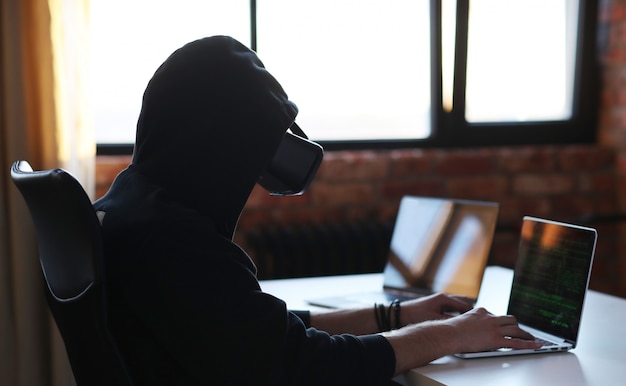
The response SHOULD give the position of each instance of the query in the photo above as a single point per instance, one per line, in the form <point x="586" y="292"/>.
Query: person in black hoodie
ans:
<point x="186" y="306"/>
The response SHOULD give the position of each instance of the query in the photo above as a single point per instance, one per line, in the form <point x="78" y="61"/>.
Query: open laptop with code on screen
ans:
<point x="550" y="282"/>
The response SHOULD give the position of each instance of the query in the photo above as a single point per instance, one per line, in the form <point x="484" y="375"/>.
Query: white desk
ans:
<point x="599" y="358"/>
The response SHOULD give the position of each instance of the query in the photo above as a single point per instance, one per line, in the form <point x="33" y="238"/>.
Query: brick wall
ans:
<point x="557" y="182"/>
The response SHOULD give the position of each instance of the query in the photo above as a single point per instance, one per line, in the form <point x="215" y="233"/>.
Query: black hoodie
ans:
<point x="186" y="306"/>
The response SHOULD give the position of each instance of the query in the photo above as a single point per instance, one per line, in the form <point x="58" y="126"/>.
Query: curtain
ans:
<point x="44" y="118"/>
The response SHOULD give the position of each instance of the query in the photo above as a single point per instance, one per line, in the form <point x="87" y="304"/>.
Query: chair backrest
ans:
<point x="70" y="253"/>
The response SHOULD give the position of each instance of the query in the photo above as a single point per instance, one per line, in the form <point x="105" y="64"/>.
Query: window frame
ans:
<point x="450" y="129"/>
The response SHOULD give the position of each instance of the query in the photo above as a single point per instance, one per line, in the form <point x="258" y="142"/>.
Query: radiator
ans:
<point x="319" y="249"/>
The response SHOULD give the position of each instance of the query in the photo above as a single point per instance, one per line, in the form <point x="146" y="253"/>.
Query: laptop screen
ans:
<point x="551" y="276"/>
<point x="440" y="245"/>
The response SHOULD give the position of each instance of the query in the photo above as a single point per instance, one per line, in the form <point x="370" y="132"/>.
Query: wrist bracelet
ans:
<point x="383" y="316"/>
<point x="396" y="308"/>
<point x="377" y="315"/>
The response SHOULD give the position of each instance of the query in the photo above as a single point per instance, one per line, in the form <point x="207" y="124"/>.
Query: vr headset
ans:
<point x="294" y="164"/>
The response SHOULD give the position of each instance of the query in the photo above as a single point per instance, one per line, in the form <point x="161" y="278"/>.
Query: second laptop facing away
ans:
<point x="437" y="245"/>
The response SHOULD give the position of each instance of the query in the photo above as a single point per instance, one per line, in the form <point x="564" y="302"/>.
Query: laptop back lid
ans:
<point x="440" y="245"/>
<point x="551" y="277"/>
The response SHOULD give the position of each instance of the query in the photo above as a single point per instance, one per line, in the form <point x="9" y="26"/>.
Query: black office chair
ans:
<point x="70" y="253"/>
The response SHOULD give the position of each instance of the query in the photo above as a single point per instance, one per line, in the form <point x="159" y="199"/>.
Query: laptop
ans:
<point x="550" y="281"/>
<point x="437" y="245"/>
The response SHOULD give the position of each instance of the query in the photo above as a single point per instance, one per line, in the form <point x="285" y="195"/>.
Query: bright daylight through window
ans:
<point x="357" y="69"/>
<point x="128" y="44"/>
<point x="525" y="71"/>
<point x="360" y="71"/>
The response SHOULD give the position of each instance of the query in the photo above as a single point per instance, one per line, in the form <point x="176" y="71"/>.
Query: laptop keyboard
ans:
<point x="544" y="342"/>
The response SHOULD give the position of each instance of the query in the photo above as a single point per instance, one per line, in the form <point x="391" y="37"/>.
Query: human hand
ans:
<point x="474" y="330"/>
<point x="479" y="330"/>
<point x="433" y="307"/>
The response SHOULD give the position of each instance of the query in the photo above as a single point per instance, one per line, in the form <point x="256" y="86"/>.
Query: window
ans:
<point x="506" y="70"/>
<point x="375" y="73"/>
<point x="130" y="39"/>
<point x="357" y="69"/>
<point x="524" y="72"/>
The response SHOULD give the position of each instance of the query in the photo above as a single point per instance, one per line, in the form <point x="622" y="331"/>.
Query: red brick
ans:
<point x="613" y="95"/>
<point x="617" y="122"/>
<point x="612" y="11"/>
<point x="512" y="209"/>
<point x="350" y="166"/>
<point x="344" y="193"/>
<point x="526" y="159"/>
<point x="504" y="248"/>
<point x="538" y="185"/>
<point x="605" y="204"/>
<point x="621" y="183"/>
<point x="586" y="158"/>
<point x="395" y="190"/>
<point x="570" y="208"/>
<point x="616" y="134"/>
<point x="614" y="56"/>
<point x="409" y="163"/>
<point x="616" y="35"/>
<point x="464" y="163"/>
<point x="375" y="212"/>
<point x="308" y="215"/>
<point x="598" y="182"/>
<point x="620" y="162"/>
<point x="621" y="195"/>
<point x="477" y="188"/>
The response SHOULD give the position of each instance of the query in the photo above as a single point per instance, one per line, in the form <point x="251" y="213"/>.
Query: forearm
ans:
<point x="353" y="321"/>
<point x="419" y="344"/>
<point x="430" y="331"/>
<point x="475" y="330"/>
<point x="413" y="346"/>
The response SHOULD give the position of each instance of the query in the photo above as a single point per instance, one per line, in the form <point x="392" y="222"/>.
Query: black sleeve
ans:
<point x="206" y="311"/>
<point x="305" y="316"/>
<point x="314" y="357"/>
